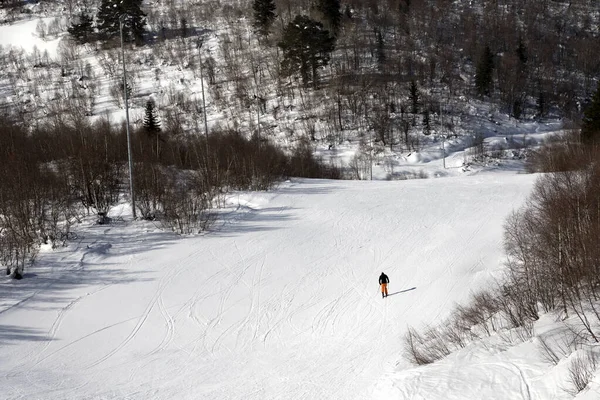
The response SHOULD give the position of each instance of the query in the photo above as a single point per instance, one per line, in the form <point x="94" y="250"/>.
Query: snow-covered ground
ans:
<point x="22" y="35"/>
<point x="279" y="300"/>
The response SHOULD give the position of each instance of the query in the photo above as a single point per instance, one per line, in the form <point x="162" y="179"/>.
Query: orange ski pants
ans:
<point x="384" y="288"/>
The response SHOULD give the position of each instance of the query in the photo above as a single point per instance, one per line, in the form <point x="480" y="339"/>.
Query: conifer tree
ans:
<point x="414" y="97"/>
<point x="184" y="27"/>
<point x="331" y="13"/>
<point x="483" y="74"/>
<point x="134" y="19"/>
<point x="151" y="122"/>
<point x="348" y="12"/>
<point x="590" y="129"/>
<point x="517" y="108"/>
<point x="404" y="6"/>
<point x="522" y="51"/>
<point x="306" y="47"/>
<point x="426" y="122"/>
<point x="380" y="54"/>
<point x="83" y="29"/>
<point x="264" y="15"/>
<point x="541" y="104"/>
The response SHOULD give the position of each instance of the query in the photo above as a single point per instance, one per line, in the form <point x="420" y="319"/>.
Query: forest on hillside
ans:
<point x="235" y="95"/>
<point x="383" y="67"/>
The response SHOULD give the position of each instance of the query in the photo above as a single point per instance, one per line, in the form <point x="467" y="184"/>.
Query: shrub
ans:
<point x="582" y="369"/>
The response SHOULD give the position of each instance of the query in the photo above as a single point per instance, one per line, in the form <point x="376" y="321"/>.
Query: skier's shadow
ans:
<point x="402" y="291"/>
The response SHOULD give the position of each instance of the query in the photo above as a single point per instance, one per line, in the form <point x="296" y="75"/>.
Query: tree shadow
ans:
<point x="310" y="187"/>
<point x="402" y="291"/>
<point x="245" y="219"/>
<point x="12" y="333"/>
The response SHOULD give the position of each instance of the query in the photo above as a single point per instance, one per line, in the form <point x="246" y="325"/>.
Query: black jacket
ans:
<point x="383" y="278"/>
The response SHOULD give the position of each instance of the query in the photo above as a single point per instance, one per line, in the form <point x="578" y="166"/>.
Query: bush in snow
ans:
<point x="553" y="265"/>
<point x="582" y="368"/>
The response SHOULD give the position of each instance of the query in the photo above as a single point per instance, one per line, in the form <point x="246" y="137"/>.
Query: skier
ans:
<point x="383" y="281"/>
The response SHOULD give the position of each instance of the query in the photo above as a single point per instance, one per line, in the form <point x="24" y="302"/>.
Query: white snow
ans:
<point x="22" y="35"/>
<point x="278" y="301"/>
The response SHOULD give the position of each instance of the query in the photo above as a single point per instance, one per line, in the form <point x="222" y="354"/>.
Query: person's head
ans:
<point x="382" y="273"/>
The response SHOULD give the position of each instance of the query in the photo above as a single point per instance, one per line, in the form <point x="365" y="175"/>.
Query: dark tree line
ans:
<point x="530" y="57"/>
<point x="531" y="60"/>
<point x="106" y="23"/>
<point x="553" y="265"/>
<point x="554" y="259"/>
<point x="55" y="176"/>
<point x="590" y="129"/>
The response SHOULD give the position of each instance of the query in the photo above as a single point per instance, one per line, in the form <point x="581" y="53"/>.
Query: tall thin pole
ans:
<point x="371" y="155"/>
<point x="131" y="193"/>
<point x="200" y="41"/>
<point x="258" y="118"/>
<point x="442" y="132"/>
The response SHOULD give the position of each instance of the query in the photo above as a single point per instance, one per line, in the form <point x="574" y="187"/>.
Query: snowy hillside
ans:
<point x="280" y="301"/>
<point x="363" y="107"/>
<point x="279" y="298"/>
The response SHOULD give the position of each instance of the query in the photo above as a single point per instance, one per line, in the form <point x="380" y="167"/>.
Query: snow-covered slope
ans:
<point x="280" y="301"/>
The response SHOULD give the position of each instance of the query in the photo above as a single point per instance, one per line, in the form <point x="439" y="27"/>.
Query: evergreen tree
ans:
<point x="522" y="51"/>
<point x="184" y="27"/>
<point x="426" y="122"/>
<point x="414" y="97"/>
<point x="404" y="6"/>
<point x="483" y="74"/>
<point x="264" y="15"/>
<point x="590" y="129"/>
<point x="517" y="108"/>
<point x="83" y="29"/>
<point x="348" y="12"/>
<point x="541" y="105"/>
<point x="134" y="19"/>
<point x="330" y="9"/>
<point x="381" y="58"/>
<point x="151" y="122"/>
<point x="306" y="47"/>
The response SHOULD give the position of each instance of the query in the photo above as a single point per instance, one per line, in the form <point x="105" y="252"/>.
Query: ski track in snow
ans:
<point x="286" y="307"/>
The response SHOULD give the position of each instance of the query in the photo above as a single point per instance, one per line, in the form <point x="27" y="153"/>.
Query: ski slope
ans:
<point x="279" y="301"/>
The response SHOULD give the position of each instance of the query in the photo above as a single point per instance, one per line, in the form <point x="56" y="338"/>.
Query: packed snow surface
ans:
<point x="280" y="300"/>
<point x="21" y="35"/>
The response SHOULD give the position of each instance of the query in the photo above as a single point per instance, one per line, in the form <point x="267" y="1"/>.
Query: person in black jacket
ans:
<point x="383" y="281"/>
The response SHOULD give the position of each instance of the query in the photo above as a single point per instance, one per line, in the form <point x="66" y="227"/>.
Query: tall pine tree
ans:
<point x="264" y="15"/>
<point x="306" y="47"/>
<point x="483" y="74"/>
<point x="83" y="29"/>
<point x="151" y="122"/>
<point x="330" y="9"/>
<point x="380" y="53"/>
<point x="134" y="19"/>
<point x="414" y="97"/>
<point x="426" y="122"/>
<point x="522" y="51"/>
<point x="590" y="129"/>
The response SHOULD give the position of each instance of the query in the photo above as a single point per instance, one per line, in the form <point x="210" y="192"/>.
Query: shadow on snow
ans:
<point x="12" y="333"/>
<point x="402" y="291"/>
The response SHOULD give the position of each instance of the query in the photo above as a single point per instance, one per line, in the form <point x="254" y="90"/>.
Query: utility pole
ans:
<point x="258" y="101"/>
<point x="129" y="155"/>
<point x="442" y="133"/>
<point x="200" y="42"/>
<point x="371" y="155"/>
